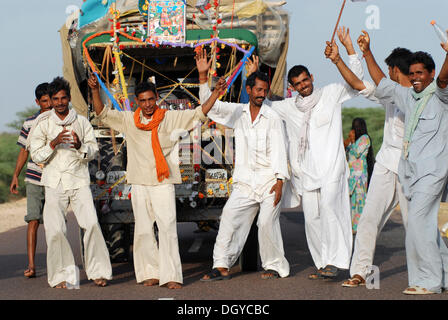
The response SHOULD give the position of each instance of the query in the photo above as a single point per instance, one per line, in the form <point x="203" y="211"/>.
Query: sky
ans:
<point x="31" y="49"/>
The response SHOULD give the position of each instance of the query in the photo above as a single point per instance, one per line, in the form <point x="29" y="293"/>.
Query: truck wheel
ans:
<point x="117" y="242"/>
<point x="249" y="255"/>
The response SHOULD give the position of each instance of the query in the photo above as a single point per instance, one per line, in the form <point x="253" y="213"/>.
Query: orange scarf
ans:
<point x="157" y="117"/>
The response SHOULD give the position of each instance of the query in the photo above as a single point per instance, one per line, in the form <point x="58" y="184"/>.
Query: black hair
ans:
<point x="41" y="90"/>
<point x="145" y="86"/>
<point x="400" y="58"/>
<point x="424" y="58"/>
<point x="256" y="75"/>
<point x="360" y="127"/>
<point x="297" y="71"/>
<point x="57" y="85"/>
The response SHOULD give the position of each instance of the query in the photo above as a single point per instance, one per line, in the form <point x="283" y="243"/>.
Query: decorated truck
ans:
<point x="130" y="41"/>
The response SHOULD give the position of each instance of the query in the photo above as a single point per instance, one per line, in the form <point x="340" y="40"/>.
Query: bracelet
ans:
<point x="200" y="79"/>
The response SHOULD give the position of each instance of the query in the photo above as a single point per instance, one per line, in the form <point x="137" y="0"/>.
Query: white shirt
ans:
<point x="64" y="164"/>
<point x="325" y="161"/>
<point x="260" y="149"/>
<point x="390" y="151"/>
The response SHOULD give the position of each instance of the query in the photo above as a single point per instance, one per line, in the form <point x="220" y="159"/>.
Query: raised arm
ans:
<point x="332" y="53"/>
<point x="95" y="89"/>
<point x="203" y="65"/>
<point x="346" y="40"/>
<point x="219" y="89"/>
<point x="442" y="79"/>
<point x="364" y="45"/>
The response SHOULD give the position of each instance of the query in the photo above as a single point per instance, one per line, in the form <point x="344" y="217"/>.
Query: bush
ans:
<point x="8" y="156"/>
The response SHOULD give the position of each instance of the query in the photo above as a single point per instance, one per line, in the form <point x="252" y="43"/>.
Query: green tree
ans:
<point x="21" y="116"/>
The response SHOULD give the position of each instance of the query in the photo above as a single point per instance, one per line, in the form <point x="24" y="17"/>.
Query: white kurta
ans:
<point x="260" y="158"/>
<point x="321" y="178"/>
<point x="66" y="180"/>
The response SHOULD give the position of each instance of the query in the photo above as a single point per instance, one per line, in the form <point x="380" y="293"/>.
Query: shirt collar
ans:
<point x="263" y="112"/>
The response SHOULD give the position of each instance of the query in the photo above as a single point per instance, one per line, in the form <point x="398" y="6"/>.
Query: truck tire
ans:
<point x="249" y="255"/>
<point x="117" y="241"/>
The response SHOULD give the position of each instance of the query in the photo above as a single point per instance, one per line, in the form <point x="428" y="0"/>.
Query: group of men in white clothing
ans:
<point x="287" y="153"/>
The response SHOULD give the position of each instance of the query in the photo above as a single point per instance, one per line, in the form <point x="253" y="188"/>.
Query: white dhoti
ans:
<point x="384" y="194"/>
<point x="328" y="225"/>
<point x="236" y="221"/>
<point x="156" y="204"/>
<point x="60" y="260"/>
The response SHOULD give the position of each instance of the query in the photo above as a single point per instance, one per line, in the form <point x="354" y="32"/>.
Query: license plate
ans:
<point x="216" y="175"/>
<point x="114" y="176"/>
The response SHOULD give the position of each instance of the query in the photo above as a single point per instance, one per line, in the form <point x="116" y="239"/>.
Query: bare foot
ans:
<point x="61" y="285"/>
<point x="174" y="285"/>
<point x="100" y="282"/>
<point x="151" y="282"/>
<point x="30" y="273"/>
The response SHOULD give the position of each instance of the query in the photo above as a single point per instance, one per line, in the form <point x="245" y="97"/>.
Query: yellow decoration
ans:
<point x="221" y="186"/>
<point x="210" y="192"/>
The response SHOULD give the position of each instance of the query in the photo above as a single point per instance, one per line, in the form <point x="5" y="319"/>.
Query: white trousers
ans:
<point x="156" y="204"/>
<point x="60" y="260"/>
<point x="328" y="225"/>
<point x="236" y="221"/>
<point x="385" y="192"/>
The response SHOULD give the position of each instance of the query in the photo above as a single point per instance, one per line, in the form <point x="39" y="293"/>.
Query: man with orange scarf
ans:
<point x="152" y="170"/>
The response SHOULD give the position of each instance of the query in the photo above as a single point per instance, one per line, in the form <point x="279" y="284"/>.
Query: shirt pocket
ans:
<point x="427" y="123"/>
<point x="322" y="119"/>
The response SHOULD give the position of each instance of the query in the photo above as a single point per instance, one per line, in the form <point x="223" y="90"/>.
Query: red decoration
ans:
<point x="208" y="6"/>
<point x="129" y="196"/>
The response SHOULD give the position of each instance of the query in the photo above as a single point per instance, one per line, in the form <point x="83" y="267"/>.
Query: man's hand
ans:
<point x="76" y="143"/>
<point x="221" y="86"/>
<point x="202" y="64"/>
<point x="63" y="137"/>
<point x="346" y="40"/>
<point x="13" y="188"/>
<point x="93" y="83"/>
<point x="332" y="52"/>
<point x="364" y="42"/>
<point x="277" y="188"/>
<point x="252" y="65"/>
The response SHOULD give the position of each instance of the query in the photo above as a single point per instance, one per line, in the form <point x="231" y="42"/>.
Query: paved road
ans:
<point x="196" y="253"/>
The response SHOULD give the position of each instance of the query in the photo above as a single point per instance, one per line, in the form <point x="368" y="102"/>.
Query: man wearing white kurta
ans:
<point x="320" y="172"/>
<point x="260" y="168"/>
<point x="65" y="143"/>
<point x="385" y="190"/>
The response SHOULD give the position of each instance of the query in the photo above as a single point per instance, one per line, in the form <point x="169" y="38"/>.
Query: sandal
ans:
<point x="270" y="274"/>
<point x="354" y="282"/>
<point x="330" y="271"/>
<point x="416" y="290"/>
<point x="215" y="275"/>
<point x="316" y="275"/>
<point x="30" y="273"/>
